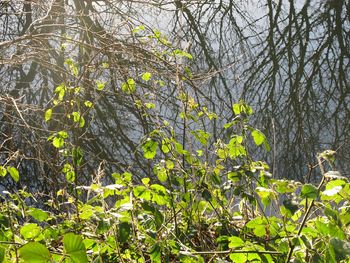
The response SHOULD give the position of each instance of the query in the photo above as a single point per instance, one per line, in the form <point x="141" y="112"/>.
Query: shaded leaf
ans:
<point x="75" y="248"/>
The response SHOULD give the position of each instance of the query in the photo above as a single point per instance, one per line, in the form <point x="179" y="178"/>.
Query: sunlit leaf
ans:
<point x="48" y="114"/>
<point x="309" y="191"/>
<point x="3" y="171"/>
<point x="258" y="137"/>
<point x="150" y="149"/>
<point x="13" y="173"/>
<point x="30" y="231"/>
<point x="235" y="242"/>
<point x="34" y="252"/>
<point x="146" y="76"/>
<point x="38" y="214"/>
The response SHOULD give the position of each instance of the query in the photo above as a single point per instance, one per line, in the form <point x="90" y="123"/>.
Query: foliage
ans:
<point x="203" y="198"/>
<point x="196" y="205"/>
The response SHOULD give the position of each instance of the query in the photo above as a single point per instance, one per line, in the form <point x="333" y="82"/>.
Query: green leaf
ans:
<point x="235" y="242"/>
<point x="63" y="134"/>
<point x="145" y="181"/>
<point x="78" y="118"/>
<point x="258" y="137"/>
<point x="34" y="252"/>
<point x="142" y="192"/>
<point x="58" y="142"/>
<point x="166" y="145"/>
<point x="258" y="225"/>
<point x="13" y="173"/>
<point x="309" y="191"/>
<point x="238" y="257"/>
<point x="291" y="206"/>
<point x="86" y="212"/>
<point x="75" y="248"/>
<point x="77" y="155"/>
<point x="201" y="136"/>
<point x="100" y="85"/>
<point x="149" y="149"/>
<point x="146" y="76"/>
<point x="2" y="254"/>
<point x="60" y="90"/>
<point x="341" y="248"/>
<point x="155" y="253"/>
<point x="38" y="214"/>
<point x="161" y="173"/>
<point x="181" y="53"/>
<point x="129" y="87"/>
<point x="48" y="114"/>
<point x="30" y="231"/>
<point x="3" y="171"/>
<point x="88" y="104"/>
<point x="124" y="231"/>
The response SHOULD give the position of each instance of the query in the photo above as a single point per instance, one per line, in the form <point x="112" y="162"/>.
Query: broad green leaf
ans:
<point x="169" y="164"/>
<point x="254" y="257"/>
<point x="38" y="214"/>
<point x="145" y="181"/>
<point x="142" y="192"/>
<point x="159" y="199"/>
<point x="58" y="142"/>
<point x="3" y="171"/>
<point x="158" y="188"/>
<point x="150" y="149"/>
<point x="34" y="252"/>
<point x="238" y="257"/>
<point x="86" y="212"/>
<point x="258" y="137"/>
<point x="75" y="248"/>
<point x="309" y="191"/>
<point x="13" y="173"/>
<point x="255" y="222"/>
<point x="260" y="231"/>
<point x="63" y="134"/>
<point x="235" y="242"/>
<point x="30" y="231"/>
<point x="161" y="173"/>
<point x="48" y="114"/>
